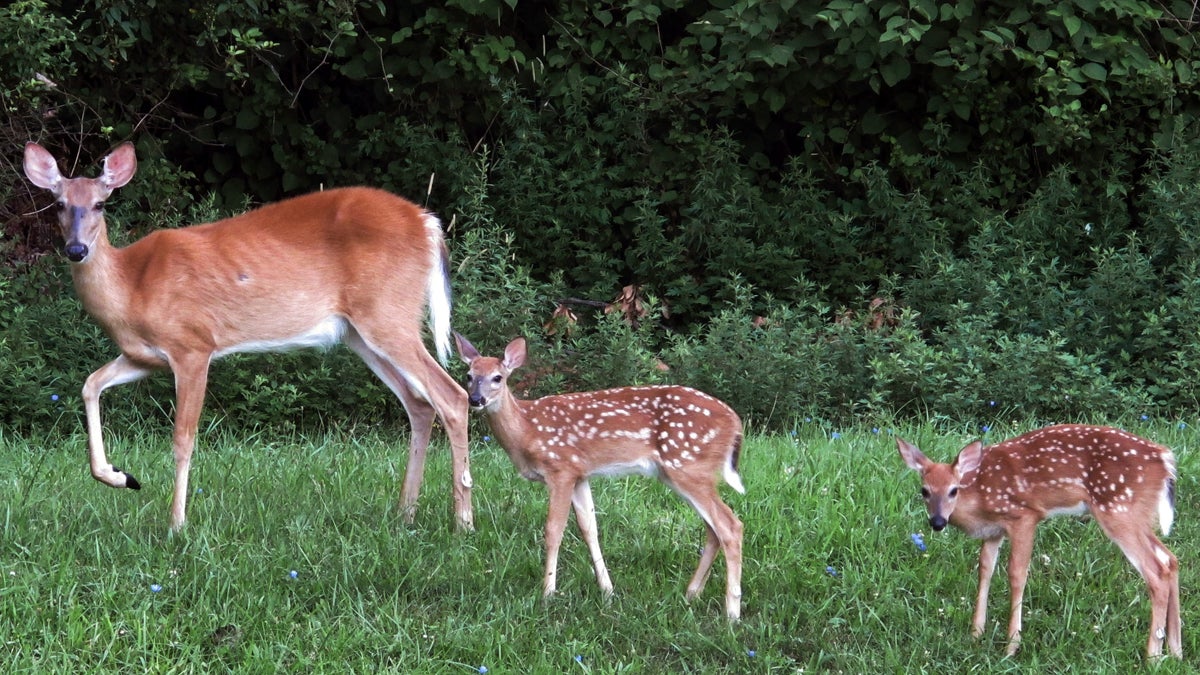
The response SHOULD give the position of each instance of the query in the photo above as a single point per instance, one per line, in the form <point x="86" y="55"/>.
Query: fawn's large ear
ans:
<point x="969" y="458"/>
<point x="119" y="167"/>
<point x="912" y="456"/>
<point x="41" y="168"/>
<point x="466" y="350"/>
<point x="514" y="354"/>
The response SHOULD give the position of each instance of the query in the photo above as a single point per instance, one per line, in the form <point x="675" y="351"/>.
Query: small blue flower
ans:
<point x="986" y="428"/>
<point x="579" y="658"/>
<point x="154" y="588"/>
<point x="487" y="439"/>
<point x="199" y="491"/>
<point x="831" y="571"/>
<point x="835" y="435"/>
<point x="1145" y="417"/>
<point x="1183" y="425"/>
<point x="482" y="670"/>
<point x="918" y="541"/>
<point x="807" y="419"/>
<point x="293" y="574"/>
<point x="751" y="653"/>
<point x="53" y="397"/>
<point x="992" y="403"/>
<point x="874" y="430"/>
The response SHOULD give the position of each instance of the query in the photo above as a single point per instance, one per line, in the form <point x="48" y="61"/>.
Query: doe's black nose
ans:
<point x="76" y="251"/>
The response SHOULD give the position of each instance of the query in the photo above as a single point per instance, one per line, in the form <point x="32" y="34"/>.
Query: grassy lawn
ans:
<point x="294" y="560"/>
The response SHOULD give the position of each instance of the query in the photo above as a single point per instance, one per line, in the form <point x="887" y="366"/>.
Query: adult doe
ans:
<point x="355" y="265"/>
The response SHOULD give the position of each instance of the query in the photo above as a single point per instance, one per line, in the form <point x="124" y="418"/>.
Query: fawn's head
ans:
<point x="940" y="483"/>
<point x="487" y="376"/>
<point x="80" y="200"/>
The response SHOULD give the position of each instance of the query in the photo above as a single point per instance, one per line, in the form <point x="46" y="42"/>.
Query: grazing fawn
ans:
<point x="351" y="265"/>
<point x="681" y="436"/>
<point x="1125" y="482"/>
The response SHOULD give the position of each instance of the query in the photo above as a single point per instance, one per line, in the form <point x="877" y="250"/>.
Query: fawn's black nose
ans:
<point x="938" y="523"/>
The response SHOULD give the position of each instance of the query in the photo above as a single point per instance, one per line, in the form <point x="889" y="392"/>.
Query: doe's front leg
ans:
<point x="118" y="371"/>
<point x="191" y="380"/>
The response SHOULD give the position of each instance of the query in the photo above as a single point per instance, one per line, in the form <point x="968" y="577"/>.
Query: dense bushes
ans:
<point x="1006" y="330"/>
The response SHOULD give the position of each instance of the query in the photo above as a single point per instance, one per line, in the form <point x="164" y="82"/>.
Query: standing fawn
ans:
<point x="1126" y="483"/>
<point x="681" y="436"/>
<point x="354" y="265"/>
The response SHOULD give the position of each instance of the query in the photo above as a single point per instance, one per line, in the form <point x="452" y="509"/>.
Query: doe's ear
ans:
<point x="41" y="168"/>
<point x="119" y="167"/>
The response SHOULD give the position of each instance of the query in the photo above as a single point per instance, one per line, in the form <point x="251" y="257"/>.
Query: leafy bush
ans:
<point x="834" y="208"/>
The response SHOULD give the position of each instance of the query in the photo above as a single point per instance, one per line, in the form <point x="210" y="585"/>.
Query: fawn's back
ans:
<point x="682" y="425"/>
<point x="1073" y="469"/>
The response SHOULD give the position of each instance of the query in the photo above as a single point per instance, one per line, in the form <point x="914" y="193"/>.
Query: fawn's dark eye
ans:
<point x="497" y="379"/>
<point x="925" y="493"/>
<point x="98" y="206"/>
<point x="61" y="205"/>
<point x="953" y="492"/>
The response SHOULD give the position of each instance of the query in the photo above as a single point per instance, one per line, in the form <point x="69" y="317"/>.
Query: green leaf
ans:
<point x="775" y="99"/>
<point x="1039" y="40"/>
<point x="873" y="123"/>
<point x="1184" y="72"/>
<point x="247" y="119"/>
<point x="895" y="70"/>
<point x="1072" y="24"/>
<point x="1095" y="71"/>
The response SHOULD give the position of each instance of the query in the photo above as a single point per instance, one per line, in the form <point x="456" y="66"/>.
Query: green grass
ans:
<point x="78" y="562"/>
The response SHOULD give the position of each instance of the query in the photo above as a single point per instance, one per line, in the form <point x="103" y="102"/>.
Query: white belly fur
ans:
<point x="641" y="467"/>
<point x="1077" y="510"/>
<point x="325" y="334"/>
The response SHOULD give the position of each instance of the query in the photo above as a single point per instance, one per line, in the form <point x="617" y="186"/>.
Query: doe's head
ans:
<point x="80" y="201"/>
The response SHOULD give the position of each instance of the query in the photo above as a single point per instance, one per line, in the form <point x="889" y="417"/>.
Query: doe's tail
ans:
<point x="438" y="291"/>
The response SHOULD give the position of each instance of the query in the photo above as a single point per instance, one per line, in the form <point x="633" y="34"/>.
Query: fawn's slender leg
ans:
<point x="988" y="553"/>
<point x="585" y="518"/>
<point x="1021" y="539"/>
<point x="556" y="522"/>
<point x="1160" y="569"/>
